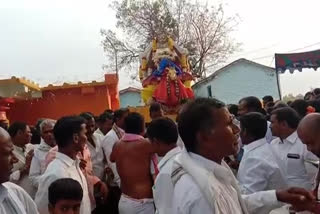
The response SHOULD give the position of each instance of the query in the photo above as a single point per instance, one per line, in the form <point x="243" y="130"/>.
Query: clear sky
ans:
<point x="59" y="41"/>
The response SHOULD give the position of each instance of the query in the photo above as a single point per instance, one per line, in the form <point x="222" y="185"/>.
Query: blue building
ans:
<point x="130" y="97"/>
<point x="239" y="79"/>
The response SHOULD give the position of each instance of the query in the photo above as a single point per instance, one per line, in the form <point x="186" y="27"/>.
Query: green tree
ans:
<point x="202" y="29"/>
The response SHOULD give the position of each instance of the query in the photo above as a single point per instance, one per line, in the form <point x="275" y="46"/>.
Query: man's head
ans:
<point x="119" y="116"/>
<point x="108" y="111"/>
<point x="70" y="133"/>
<point x="308" y="96"/>
<point x="253" y="127"/>
<point x="267" y="99"/>
<point x="4" y="124"/>
<point x="316" y="92"/>
<point x="300" y="106"/>
<point x="269" y="107"/>
<point x="36" y="136"/>
<point x="155" y="110"/>
<point x="309" y="132"/>
<point x="20" y="133"/>
<point x="206" y="127"/>
<point x="284" y="121"/>
<point x="233" y="109"/>
<point x="90" y="123"/>
<point x="65" y="196"/>
<point x="46" y="130"/>
<point x="249" y="104"/>
<point x="7" y="158"/>
<point x="105" y="122"/>
<point x="163" y="133"/>
<point x="315" y="104"/>
<point x="280" y="104"/>
<point x="134" y="124"/>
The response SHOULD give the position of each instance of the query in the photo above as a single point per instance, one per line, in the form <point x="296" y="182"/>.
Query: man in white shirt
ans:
<point x="309" y="133"/>
<point x="253" y="104"/>
<point x="203" y="182"/>
<point x="163" y="134"/>
<point x="70" y="135"/>
<point x="107" y="144"/>
<point x="95" y="148"/>
<point x="95" y="164"/>
<point x="13" y="199"/>
<point x="111" y="138"/>
<point x="38" y="163"/>
<point x="21" y="137"/>
<point x="290" y="150"/>
<point x="105" y="122"/>
<point x="259" y="169"/>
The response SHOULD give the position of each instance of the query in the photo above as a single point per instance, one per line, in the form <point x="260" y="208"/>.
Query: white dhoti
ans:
<point x="129" y="205"/>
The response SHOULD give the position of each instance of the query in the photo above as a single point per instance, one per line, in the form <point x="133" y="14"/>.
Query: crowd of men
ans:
<point x="253" y="157"/>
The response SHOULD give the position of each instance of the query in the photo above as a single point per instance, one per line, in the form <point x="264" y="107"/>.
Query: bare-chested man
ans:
<point x="132" y="155"/>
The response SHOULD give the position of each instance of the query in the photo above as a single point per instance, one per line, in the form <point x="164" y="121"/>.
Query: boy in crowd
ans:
<point x="65" y="196"/>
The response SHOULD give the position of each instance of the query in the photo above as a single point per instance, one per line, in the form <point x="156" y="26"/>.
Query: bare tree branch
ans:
<point x="202" y="29"/>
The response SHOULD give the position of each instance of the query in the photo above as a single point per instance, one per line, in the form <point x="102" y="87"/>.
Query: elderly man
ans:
<point x="38" y="163"/>
<point x="309" y="133"/>
<point x="203" y="182"/>
<point x="13" y="199"/>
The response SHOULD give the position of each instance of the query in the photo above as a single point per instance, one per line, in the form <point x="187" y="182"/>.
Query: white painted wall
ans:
<point x="240" y="80"/>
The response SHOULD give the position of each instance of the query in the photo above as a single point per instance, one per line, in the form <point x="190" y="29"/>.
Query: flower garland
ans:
<point x="176" y="85"/>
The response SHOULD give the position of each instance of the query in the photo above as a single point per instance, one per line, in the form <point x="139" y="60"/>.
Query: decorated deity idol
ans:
<point x="165" y="74"/>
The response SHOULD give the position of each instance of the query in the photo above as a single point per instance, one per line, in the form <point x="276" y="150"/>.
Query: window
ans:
<point x="209" y="91"/>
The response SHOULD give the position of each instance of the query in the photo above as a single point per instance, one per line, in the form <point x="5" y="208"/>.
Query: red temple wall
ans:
<point x="57" y="103"/>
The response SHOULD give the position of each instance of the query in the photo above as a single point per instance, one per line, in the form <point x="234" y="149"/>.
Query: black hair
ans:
<point x="87" y="116"/>
<point x="118" y="114"/>
<point x="163" y="129"/>
<point x="267" y="99"/>
<point x="197" y="117"/>
<point x="39" y="121"/>
<point x="15" y="127"/>
<point x="288" y="115"/>
<point x="280" y="104"/>
<point x="316" y="91"/>
<point x="65" y="128"/>
<point x="154" y="107"/>
<point x="300" y="106"/>
<point x="64" y="189"/>
<point x="134" y="123"/>
<point x="108" y="111"/>
<point x="233" y="109"/>
<point x="306" y="96"/>
<point x="253" y="104"/>
<point x="254" y="124"/>
<point x="315" y="104"/>
<point x="36" y="136"/>
<point x="104" y="117"/>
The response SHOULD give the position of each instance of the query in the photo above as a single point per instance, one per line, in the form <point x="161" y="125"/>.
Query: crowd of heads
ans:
<point x="206" y="126"/>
